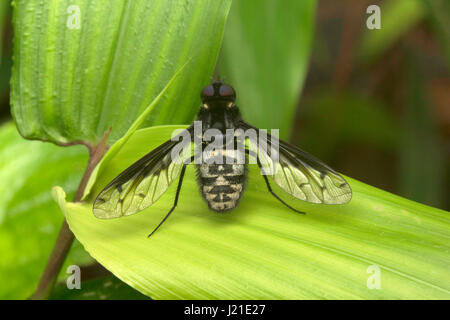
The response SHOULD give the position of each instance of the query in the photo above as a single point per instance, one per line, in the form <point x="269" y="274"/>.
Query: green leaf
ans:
<point x="105" y="288"/>
<point x="5" y="55"/>
<point x="440" y="15"/>
<point x="4" y="13"/>
<point x="346" y="109"/>
<point x="422" y="172"/>
<point x="265" y="57"/>
<point x="262" y="250"/>
<point x="29" y="218"/>
<point x="397" y="18"/>
<point x="72" y="84"/>
<point x="119" y="143"/>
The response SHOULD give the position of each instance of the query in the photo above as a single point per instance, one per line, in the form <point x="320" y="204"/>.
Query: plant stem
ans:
<point x="54" y="264"/>
<point x="65" y="236"/>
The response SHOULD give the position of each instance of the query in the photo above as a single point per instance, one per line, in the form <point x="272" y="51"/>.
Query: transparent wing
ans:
<point x="300" y="174"/>
<point x="144" y="182"/>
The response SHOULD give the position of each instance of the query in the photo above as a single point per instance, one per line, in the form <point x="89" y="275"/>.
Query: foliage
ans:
<point x="72" y="84"/>
<point x="265" y="55"/>
<point x="29" y="218"/>
<point x="137" y="63"/>
<point x="262" y="250"/>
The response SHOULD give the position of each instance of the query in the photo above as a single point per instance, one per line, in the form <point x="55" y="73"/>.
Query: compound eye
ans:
<point x="226" y="91"/>
<point x="208" y="91"/>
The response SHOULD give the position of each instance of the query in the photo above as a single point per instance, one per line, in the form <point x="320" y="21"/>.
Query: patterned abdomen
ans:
<point x="222" y="185"/>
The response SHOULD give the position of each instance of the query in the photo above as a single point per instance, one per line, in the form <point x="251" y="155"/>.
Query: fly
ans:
<point x="221" y="169"/>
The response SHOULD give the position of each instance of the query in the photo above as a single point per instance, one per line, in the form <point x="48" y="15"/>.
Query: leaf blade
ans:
<point x="72" y="84"/>
<point x="29" y="218"/>
<point x="265" y="56"/>
<point x="261" y="250"/>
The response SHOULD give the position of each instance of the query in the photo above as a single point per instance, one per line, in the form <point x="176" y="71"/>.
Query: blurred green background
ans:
<point x="375" y="105"/>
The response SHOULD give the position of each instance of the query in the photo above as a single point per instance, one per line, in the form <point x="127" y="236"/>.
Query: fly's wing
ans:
<point x="298" y="173"/>
<point x="144" y="182"/>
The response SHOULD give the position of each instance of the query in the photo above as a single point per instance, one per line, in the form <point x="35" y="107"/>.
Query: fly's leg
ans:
<point x="180" y="182"/>
<point x="252" y="153"/>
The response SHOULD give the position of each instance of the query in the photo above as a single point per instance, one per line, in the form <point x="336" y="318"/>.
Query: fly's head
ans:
<point x="218" y="106"/>
<point x="218" y="95"/>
